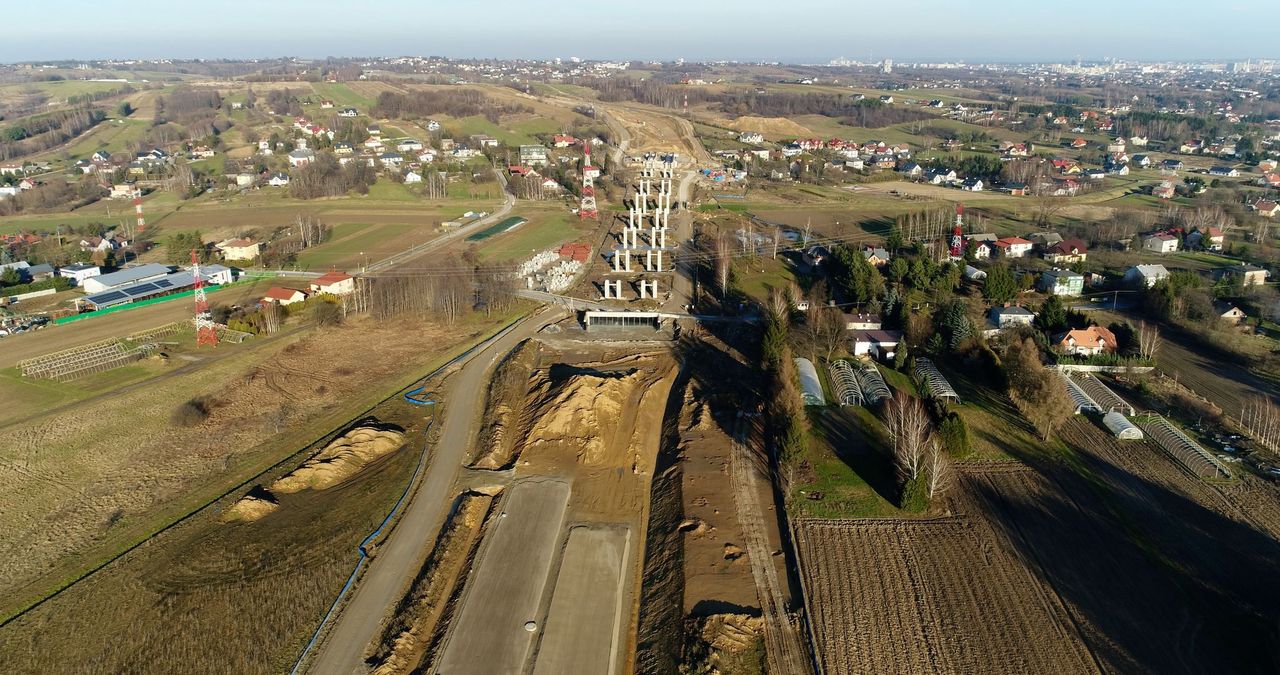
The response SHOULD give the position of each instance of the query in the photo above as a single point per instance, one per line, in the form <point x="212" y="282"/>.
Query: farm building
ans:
<point x="810" y="384"/>
<point x="1121" y="427"/>
<point x="124" y="277"/>
<point x="78" y="272"/>
<point x="155" y="287"/>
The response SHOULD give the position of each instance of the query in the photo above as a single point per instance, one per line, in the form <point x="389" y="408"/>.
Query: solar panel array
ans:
<point x="141" y="290"/>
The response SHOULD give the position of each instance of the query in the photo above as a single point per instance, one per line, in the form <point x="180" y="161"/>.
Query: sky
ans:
<point x="790" y="31"/>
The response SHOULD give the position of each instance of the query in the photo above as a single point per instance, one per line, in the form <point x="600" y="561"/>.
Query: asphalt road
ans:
<point x="398" y="558"/>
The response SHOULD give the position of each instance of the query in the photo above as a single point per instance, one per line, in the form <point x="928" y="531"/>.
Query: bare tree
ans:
<point x="272" y="318"/>
<point x="827" y="329"/>
<point x="908" y="425"/>
<point x="941" y="474"/>
<point x="779" y="304"/>
<point x="1148" y="340"/>
<point x="723" y="260"/>
<point x="777" y="235"/>
<point x="1261" y="418"/>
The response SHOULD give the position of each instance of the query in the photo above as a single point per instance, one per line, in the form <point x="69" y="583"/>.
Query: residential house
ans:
<point x="484" y="141"/>
<point x="239" y="249"/>
<point x="862" y="321"/>
<point x="1016" y="189"/>
<point x="1228" y="313"/>
<point x="911" y="170"/>
<point x="1160" y="242"/>
<point x="972" y="185"/>
<point x="1164" y="191"/>
<point x="1116" y="145"/>
<point x="1009" y="316"/>
<point x="1172" y="165"/>
<point x="1138" y="141"/>
<point x="1191" y="147"/>
<point x="301" y="157"/>
<point x="100" y="157"/>
<point x="348" y="112"/>
<point x="1211" y="238"/>
<point x="1265" y="207"/>
<point x="1095" y="174"/>
<point x="1062" y="282"/>
<point x="245" y="179"/>
<point x="1013" y="247"/>
<point x="427" y="156"/>
<point x="879" y="344"/>
<point x="1224" y="171"/>
<point x="877" y="256"/>
<point x="750" y="137"/>
<point x="1066" y="251"/>
<point x="1079" y="143"/>
<point x="334" y="283"/>
<point x="412" y="177"/>
<point x="1145" y="276"/>
<point x="283" y="296"/>
<point x="1044" y="240"/>
<point x="533" y="155"/>
<point x="1270" y="180"/>
<point x="433" y="125"/>
<point x="1086" y="341"/>
<point x="408" y="145"/>
<point x="326" y="104"/>
<point x="122" y="191"/>
<point x="1246" y="275"/>
<point x="1268" y="165"/>
<point x="41" y="272"/>
<point x="941" y="177"/>
<point x="564" y="141"/>
<point x="278" y="179"/>
<point x="1143" y="161"/>
<point x="375" y="130"/>
<point x="390" y="159"/>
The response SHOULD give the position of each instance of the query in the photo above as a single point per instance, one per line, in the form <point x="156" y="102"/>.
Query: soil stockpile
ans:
<point x="343" y="458"/>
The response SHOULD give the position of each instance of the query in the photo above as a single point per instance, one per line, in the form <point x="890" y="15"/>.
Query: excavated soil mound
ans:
<point x="583" y="413"/>
<point x="724" y="643"/>
<point x="770" y="126"/>
<point x="343" y="458"/>
<point x="253" y="506"/>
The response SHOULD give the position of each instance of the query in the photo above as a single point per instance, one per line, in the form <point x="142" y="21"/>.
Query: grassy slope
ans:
<point x="241" y="467"/>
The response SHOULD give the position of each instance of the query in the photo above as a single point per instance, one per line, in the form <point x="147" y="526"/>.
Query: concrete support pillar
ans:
<point x="613" y="290"/>
<point x="648" y="289"/>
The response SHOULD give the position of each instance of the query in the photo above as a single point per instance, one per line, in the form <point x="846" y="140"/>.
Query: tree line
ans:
<point x="454" y="103"/>
<point x="42" y="132"/>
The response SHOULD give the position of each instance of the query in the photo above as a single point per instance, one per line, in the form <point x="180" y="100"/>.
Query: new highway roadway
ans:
<point x="399" y="557"/>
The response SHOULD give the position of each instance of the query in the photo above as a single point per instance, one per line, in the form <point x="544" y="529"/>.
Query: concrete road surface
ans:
<point x="505" y="591"/>
<point x="583" y="625"/>
<point x="399" y="557"/>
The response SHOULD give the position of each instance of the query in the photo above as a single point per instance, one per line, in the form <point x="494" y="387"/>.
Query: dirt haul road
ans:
<point x="397" y="561"/>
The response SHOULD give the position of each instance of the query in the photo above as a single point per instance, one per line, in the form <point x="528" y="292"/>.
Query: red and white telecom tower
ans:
<point x="587" y="210"/>
<point x="957" y="234"/>
<point x="206" y="332"/>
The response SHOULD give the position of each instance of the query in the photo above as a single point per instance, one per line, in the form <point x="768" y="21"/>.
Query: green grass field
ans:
<point x="341" y="95"/>
<point x="545" y="229"/>
<point x="849" y="467"/>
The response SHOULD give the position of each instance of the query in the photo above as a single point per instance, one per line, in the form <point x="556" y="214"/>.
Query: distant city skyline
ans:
<point x="796" y="31"/>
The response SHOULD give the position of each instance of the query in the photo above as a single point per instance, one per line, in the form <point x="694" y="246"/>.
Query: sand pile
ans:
<point x="583" y="413"/>
<point x="343" y="458"/>
<point x="732" y="632"/>
<point x="253" y="506"/>
<point x="769" y="126"/>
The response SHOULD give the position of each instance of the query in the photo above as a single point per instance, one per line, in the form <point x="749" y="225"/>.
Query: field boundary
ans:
<point x="330" y="431"/>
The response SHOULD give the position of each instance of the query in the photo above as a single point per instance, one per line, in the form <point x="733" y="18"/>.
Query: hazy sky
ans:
<point x="782" y="30"/>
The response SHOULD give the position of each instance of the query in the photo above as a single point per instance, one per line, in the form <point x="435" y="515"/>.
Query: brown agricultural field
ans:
<point x="1106" y="556"/>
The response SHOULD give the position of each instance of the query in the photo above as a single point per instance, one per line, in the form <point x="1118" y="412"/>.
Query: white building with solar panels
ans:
<point x="151" y="287"/>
